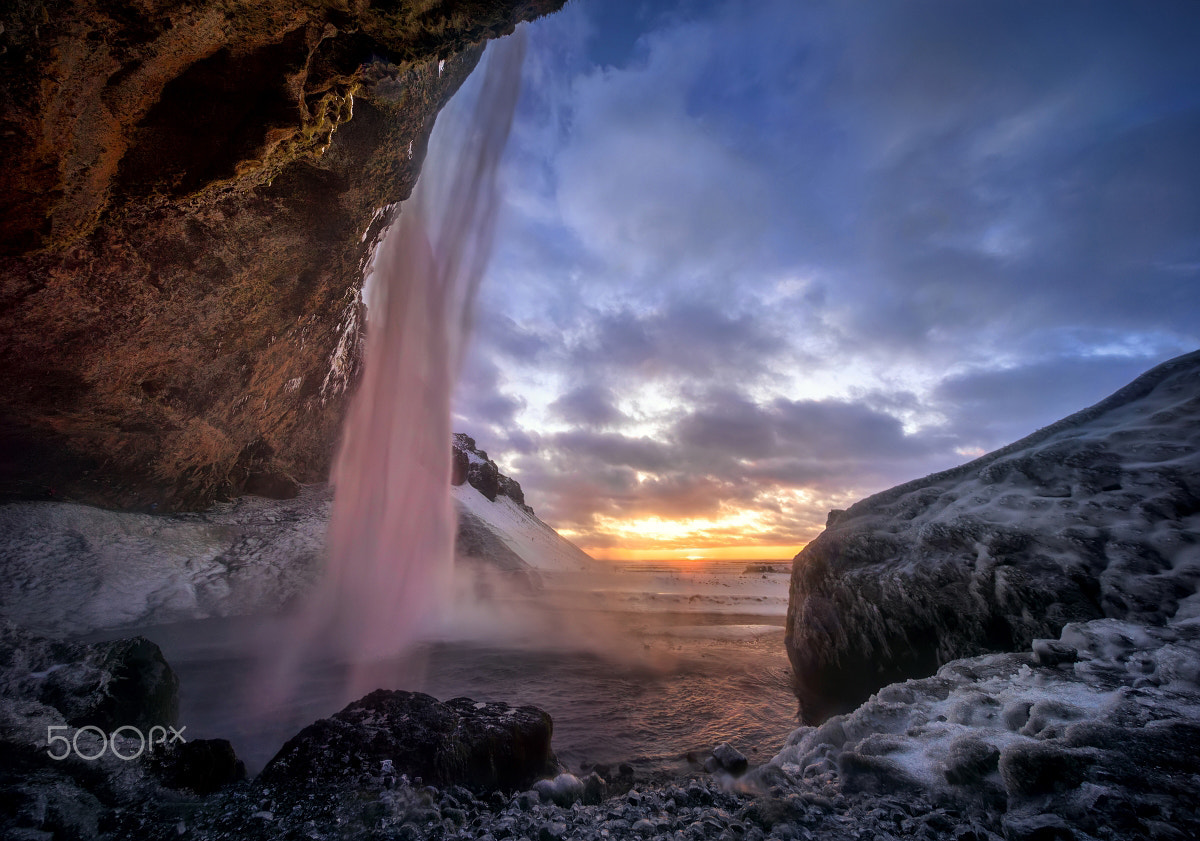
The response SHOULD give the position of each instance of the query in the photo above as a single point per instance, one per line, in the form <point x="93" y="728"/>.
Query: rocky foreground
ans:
<point x="1095" y="735"/>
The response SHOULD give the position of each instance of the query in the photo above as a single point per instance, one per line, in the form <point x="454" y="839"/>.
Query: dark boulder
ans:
<point x="485" y="478"/>
<point x="727" y="758"/>
<point x="484" y="747"/>
<point x="458" y="466"/>
<point x="202" y="765"/>
<point x="107" y="685"/>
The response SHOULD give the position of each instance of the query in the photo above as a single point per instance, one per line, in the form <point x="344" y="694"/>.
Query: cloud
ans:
<point x="765" y="259"/>
<point x="1032" y="395"/>
<point x="694" y="339"/>
<point x="480" y="403"/>
<point x="589" y="406"/>
<point x="583" y="449"/>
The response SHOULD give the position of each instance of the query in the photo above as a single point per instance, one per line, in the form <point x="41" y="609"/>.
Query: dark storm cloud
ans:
<point x="590" y="406"/>
<point x="834" y="430"/>
<point x="733" y="426"/>
<point x="590" y="448"/>
<point x="693" y="338"/>
<point x="1032" y="396"/>
<point x="480" y="403"/>
<point x="838" y="429"/>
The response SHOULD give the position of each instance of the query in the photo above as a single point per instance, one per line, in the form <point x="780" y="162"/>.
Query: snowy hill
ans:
<point x="1095" y="516"/>
<point x="495" y="524"/>
<point x="67" y="568"/>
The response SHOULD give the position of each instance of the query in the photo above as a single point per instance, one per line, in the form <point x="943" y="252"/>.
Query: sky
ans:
<point x="758" y="261"/>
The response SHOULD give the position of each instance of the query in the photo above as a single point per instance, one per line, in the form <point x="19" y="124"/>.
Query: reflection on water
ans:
<point x="640" y="667"/>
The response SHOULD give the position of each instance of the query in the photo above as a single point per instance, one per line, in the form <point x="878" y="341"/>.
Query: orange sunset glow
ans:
<point x="743" y="535"/>
<point x="710" y="553"/>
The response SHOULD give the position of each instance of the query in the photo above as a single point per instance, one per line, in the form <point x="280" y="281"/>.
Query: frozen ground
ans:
<point x="535" y="543"/>
<point x="72" y="569"/>
<point x="1094" y="735"/>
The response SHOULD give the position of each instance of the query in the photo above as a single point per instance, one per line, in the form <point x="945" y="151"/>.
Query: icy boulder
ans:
<point x="1103" y="743"/>
<point x="1094" y="516"/>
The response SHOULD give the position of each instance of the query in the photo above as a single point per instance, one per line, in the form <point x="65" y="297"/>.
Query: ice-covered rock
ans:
<point x="88" y="732"/>
<point x="107" y="685"/>
<point x="75" y="569"/>
<point x="1094" y="516"/>
<point x="727" y="758"/>
<point x="1102" y="744"/>
<point x="564" y="790"/>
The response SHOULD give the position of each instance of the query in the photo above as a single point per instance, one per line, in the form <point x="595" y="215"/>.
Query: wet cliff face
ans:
<point x="187" y="197"/>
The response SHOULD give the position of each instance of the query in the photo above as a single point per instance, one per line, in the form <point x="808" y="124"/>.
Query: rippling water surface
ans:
<point x="642" y="666"/>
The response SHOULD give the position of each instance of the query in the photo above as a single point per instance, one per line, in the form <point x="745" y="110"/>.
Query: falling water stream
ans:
<point x="390" y="540"/>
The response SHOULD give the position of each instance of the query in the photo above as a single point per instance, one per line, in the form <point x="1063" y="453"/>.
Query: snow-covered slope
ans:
<point x="1095" y="516"/>
<point x="72" y="569"/>
<point x="517" y="529"/>
<point x="67" y="568"/>
<point x="496" y="526"/>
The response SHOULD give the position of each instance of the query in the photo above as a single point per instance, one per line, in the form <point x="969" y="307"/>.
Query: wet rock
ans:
<point x="554" y="831"/>
<point x="1037" y="828"/>
<point x="1053" y="652"/>
<point x="201" y="765"/>
<point x="969" y="760"/>
<point x="594" y="789"/>
<point x="868" y="773"/>
<point x="728" y="759"/>
<point x="484" y="747"/>
<point x="107" y="685"/>
<point x="1031" y="769"/>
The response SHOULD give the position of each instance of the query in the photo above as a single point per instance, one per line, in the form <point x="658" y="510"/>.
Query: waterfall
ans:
<point x="391" y="535"/>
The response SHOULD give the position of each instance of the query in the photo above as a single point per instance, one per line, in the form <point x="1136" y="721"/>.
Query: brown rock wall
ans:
<point x="188" y="196"/>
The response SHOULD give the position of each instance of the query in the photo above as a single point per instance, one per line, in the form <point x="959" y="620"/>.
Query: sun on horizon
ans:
<point x="781" y="554"/>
